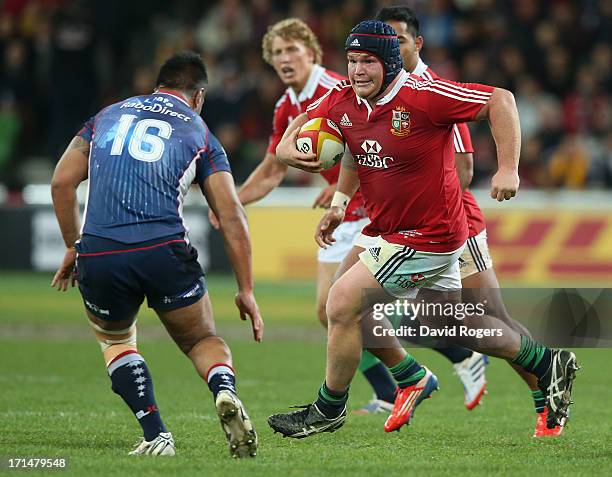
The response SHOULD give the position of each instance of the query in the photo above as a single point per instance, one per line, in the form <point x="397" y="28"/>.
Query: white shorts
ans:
<point x="401" y="271"/>
<point x="345" y="235"/>
<point x="364" y="241"/>
<point x="475" y="258"/>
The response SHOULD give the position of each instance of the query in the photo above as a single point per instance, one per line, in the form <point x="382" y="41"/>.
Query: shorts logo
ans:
<point x="345" y="121"/>
<point x="96" y="309"/>
<point x="194" y="291"/>
<point x="400" y="122"/>
<point x="375" y="252"/>
<point x="410" y="281"/>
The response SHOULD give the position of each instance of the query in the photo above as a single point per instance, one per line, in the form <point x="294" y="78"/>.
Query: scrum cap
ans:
<point x="379" y="39"/>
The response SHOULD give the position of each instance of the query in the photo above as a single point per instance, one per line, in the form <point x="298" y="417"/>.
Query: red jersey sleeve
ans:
<point x="280" y="121"/>
<point x="449" y="102"/>
<point x="462" y="138"/>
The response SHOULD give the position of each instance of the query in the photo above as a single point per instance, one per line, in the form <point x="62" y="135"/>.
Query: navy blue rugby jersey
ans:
<point x="145" y="153"/>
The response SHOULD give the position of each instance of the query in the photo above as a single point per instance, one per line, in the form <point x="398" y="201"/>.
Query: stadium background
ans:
<point x="61" y="61"/>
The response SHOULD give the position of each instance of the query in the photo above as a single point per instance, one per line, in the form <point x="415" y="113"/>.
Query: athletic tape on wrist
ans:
<point x="340" y="200"/>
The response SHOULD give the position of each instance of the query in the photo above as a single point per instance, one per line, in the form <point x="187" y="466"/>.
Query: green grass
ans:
<point x="55" y="400"/>
<point x="29" y="298"/>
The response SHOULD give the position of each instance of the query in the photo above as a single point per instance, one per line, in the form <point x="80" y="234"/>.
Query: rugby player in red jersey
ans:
<point x="293" y="50"/>
<point x="476" y="265"/>
<point x="402" y="160"/>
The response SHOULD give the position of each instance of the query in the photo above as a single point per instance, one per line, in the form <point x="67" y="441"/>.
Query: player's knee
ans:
<point x="339" y="310"/>
<point x="188" y="343"/>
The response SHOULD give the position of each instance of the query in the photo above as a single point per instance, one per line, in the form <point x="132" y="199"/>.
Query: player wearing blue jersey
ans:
<point x="141" y="155"/>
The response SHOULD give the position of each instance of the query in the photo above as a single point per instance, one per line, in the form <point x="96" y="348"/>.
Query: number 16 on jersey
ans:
<point x="143" y="145"/>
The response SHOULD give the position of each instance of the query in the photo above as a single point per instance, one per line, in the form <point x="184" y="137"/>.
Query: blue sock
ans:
<point x="132" y="381"/>
<point x="455" y="354"/>
<point x="381" y="381"/>
<point x="221" y="376"/>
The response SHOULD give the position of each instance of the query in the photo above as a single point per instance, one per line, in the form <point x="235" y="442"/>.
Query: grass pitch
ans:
<point x="56" y="400"/>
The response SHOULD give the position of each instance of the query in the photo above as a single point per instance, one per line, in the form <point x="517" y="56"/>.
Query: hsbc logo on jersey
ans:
<point x="371" y="147"/>
<point x="372" y="157"/>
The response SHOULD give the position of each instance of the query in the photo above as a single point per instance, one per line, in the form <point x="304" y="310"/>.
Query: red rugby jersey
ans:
<point x="404" y="152"/>
<point x="290" y="105"/>
<point x="463" y="144"/>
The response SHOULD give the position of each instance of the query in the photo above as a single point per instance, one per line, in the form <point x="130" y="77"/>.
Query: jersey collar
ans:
<point x="309" y="88"/>
<point x="420" y="68"/>
<point x="403" y="76"/>
<point x="175" y="95"/>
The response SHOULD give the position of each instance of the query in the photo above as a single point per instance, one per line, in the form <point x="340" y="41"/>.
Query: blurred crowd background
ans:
<point x="61" y="61"/>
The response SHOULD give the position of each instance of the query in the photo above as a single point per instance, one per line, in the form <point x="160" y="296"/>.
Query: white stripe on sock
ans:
<point x="128" y="358"/>
<point x="221" y="369"/>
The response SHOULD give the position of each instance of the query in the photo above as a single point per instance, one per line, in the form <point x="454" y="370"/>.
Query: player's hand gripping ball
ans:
<point x="322" y="137"/>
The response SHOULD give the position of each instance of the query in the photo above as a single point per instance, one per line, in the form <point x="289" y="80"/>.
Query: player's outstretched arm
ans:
<point x="464" y="163"/>
<point x="288" y="153"/>
<point x="348" y="183"/>
<point x="264" y="179"/>
<point x="503" y="116"/>
<point x="221" y="196"/>
<point x="71" y="170"/>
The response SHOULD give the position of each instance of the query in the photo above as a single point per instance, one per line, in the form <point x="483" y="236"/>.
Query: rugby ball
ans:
<point x="322" y="137"/>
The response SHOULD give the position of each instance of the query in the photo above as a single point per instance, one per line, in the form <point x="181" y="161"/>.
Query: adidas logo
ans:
<point x="345" y="121"/>
<point x="375" y="252"/>
<point x="355" y="42"/>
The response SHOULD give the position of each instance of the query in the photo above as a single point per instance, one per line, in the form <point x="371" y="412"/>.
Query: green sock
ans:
<point x="538" y="400"/>
<point x="331" y="403"/>
<point x="533" y="357"/>
<point x="407" y="372"/>
<point x="368" y="360"/>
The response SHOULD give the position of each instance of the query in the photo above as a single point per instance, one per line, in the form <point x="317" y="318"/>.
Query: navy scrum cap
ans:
<point x="379" y="39"/>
